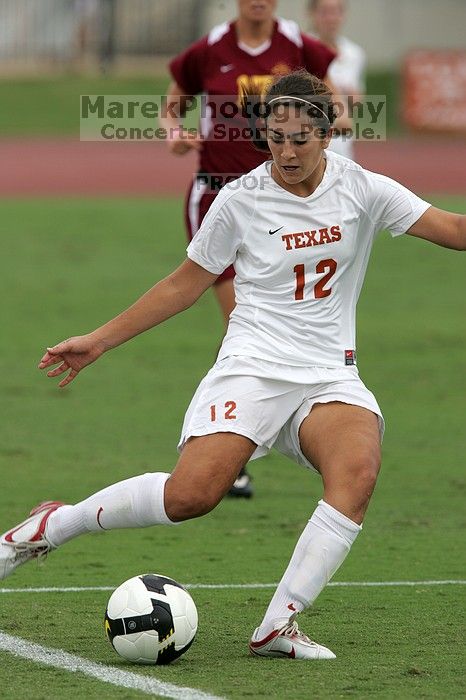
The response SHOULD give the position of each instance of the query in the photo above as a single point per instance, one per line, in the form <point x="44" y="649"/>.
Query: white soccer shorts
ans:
<point x="267" y="402"/>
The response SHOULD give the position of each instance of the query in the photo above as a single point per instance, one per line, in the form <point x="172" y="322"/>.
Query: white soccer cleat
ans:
<point x="288" y="642"/>
<point x="27" y="540"/>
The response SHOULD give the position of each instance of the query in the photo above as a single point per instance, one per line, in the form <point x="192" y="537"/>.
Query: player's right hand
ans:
<point x="183" y="142"/>
<point x="74" y="354"/>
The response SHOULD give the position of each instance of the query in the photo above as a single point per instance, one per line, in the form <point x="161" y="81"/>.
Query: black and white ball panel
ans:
<point x="151" y="619"/>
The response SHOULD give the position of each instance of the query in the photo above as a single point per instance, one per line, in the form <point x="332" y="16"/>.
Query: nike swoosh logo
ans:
<point x="99" y="513"/>
<point x="225" y="69"/>
<point x="277" y="229"/>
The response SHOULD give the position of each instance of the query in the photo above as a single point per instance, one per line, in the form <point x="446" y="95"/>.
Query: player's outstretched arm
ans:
<point x="441" y="227"/>
<point x="167" y="298"/>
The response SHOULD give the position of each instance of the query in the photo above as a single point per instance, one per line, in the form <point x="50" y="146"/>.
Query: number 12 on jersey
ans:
<point x="328" y="266"/>
<point x="227" y="411"/>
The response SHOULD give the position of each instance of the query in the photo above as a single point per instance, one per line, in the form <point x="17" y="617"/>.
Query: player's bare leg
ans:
<point x="343" y="442"/>
<point x="205" y="471"/>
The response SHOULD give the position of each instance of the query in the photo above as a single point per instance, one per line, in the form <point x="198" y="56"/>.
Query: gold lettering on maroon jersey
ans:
<point x="258" y="84"/>
<point x="252" y="85"/>
<point x="307" y="239"/>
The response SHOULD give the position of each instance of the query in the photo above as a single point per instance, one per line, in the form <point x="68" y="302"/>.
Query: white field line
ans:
<point x="123" y="679"/>
<point x="245" y="586"/>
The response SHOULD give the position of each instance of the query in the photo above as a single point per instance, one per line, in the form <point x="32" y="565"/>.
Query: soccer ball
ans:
<point x="151" y="619"/>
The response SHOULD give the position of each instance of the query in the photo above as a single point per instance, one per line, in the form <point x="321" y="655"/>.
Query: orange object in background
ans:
<point x="434" y="91"/>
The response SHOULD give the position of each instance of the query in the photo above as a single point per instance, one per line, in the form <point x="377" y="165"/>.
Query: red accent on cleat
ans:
<point x="288" y="642"/>
<point x="44" y="506"/>
<point x="49" y="507"/>
<point x="261" y="642"/>
<point x="27" y="540"/>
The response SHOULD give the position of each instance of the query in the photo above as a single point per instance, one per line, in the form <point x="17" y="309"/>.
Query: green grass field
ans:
<point x="69" y="265"/>
<point x="50" y="106"/>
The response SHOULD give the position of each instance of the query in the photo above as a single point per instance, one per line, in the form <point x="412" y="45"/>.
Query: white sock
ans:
<point x="320" y="551"/>
<point x="135" y="502"/>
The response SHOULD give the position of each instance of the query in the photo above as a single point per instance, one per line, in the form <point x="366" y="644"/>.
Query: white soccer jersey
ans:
<point x="299" y="261"/>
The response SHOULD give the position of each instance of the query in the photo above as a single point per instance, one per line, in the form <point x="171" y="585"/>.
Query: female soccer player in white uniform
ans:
<point x="299" y="230"/>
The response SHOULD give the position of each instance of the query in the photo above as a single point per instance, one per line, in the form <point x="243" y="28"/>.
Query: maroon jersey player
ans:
<point x="251" y="49"/>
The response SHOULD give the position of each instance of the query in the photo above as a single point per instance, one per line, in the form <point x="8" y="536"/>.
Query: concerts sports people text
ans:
<point x="286" y="374"/>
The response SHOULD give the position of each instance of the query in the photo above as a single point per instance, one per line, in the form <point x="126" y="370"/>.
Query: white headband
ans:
<point x="289" y="98"/>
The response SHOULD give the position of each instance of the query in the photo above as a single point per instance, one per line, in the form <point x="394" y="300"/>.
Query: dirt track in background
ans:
<point x="40" y="168"/>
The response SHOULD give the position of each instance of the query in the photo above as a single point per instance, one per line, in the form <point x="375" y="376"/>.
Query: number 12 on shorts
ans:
<point x="329" y="266"/>
<point x="227" y="411"/>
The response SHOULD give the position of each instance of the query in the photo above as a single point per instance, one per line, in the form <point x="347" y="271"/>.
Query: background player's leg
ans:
<point x="342" y="441"/>
<point x="205" y="471"/>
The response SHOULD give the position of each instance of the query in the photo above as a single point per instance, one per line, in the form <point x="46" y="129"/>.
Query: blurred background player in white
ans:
<point x="86" y="15"/>
<point x="286" y="373"/>
<point x="254" y="46"/>
<point x="347" y="70"/>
